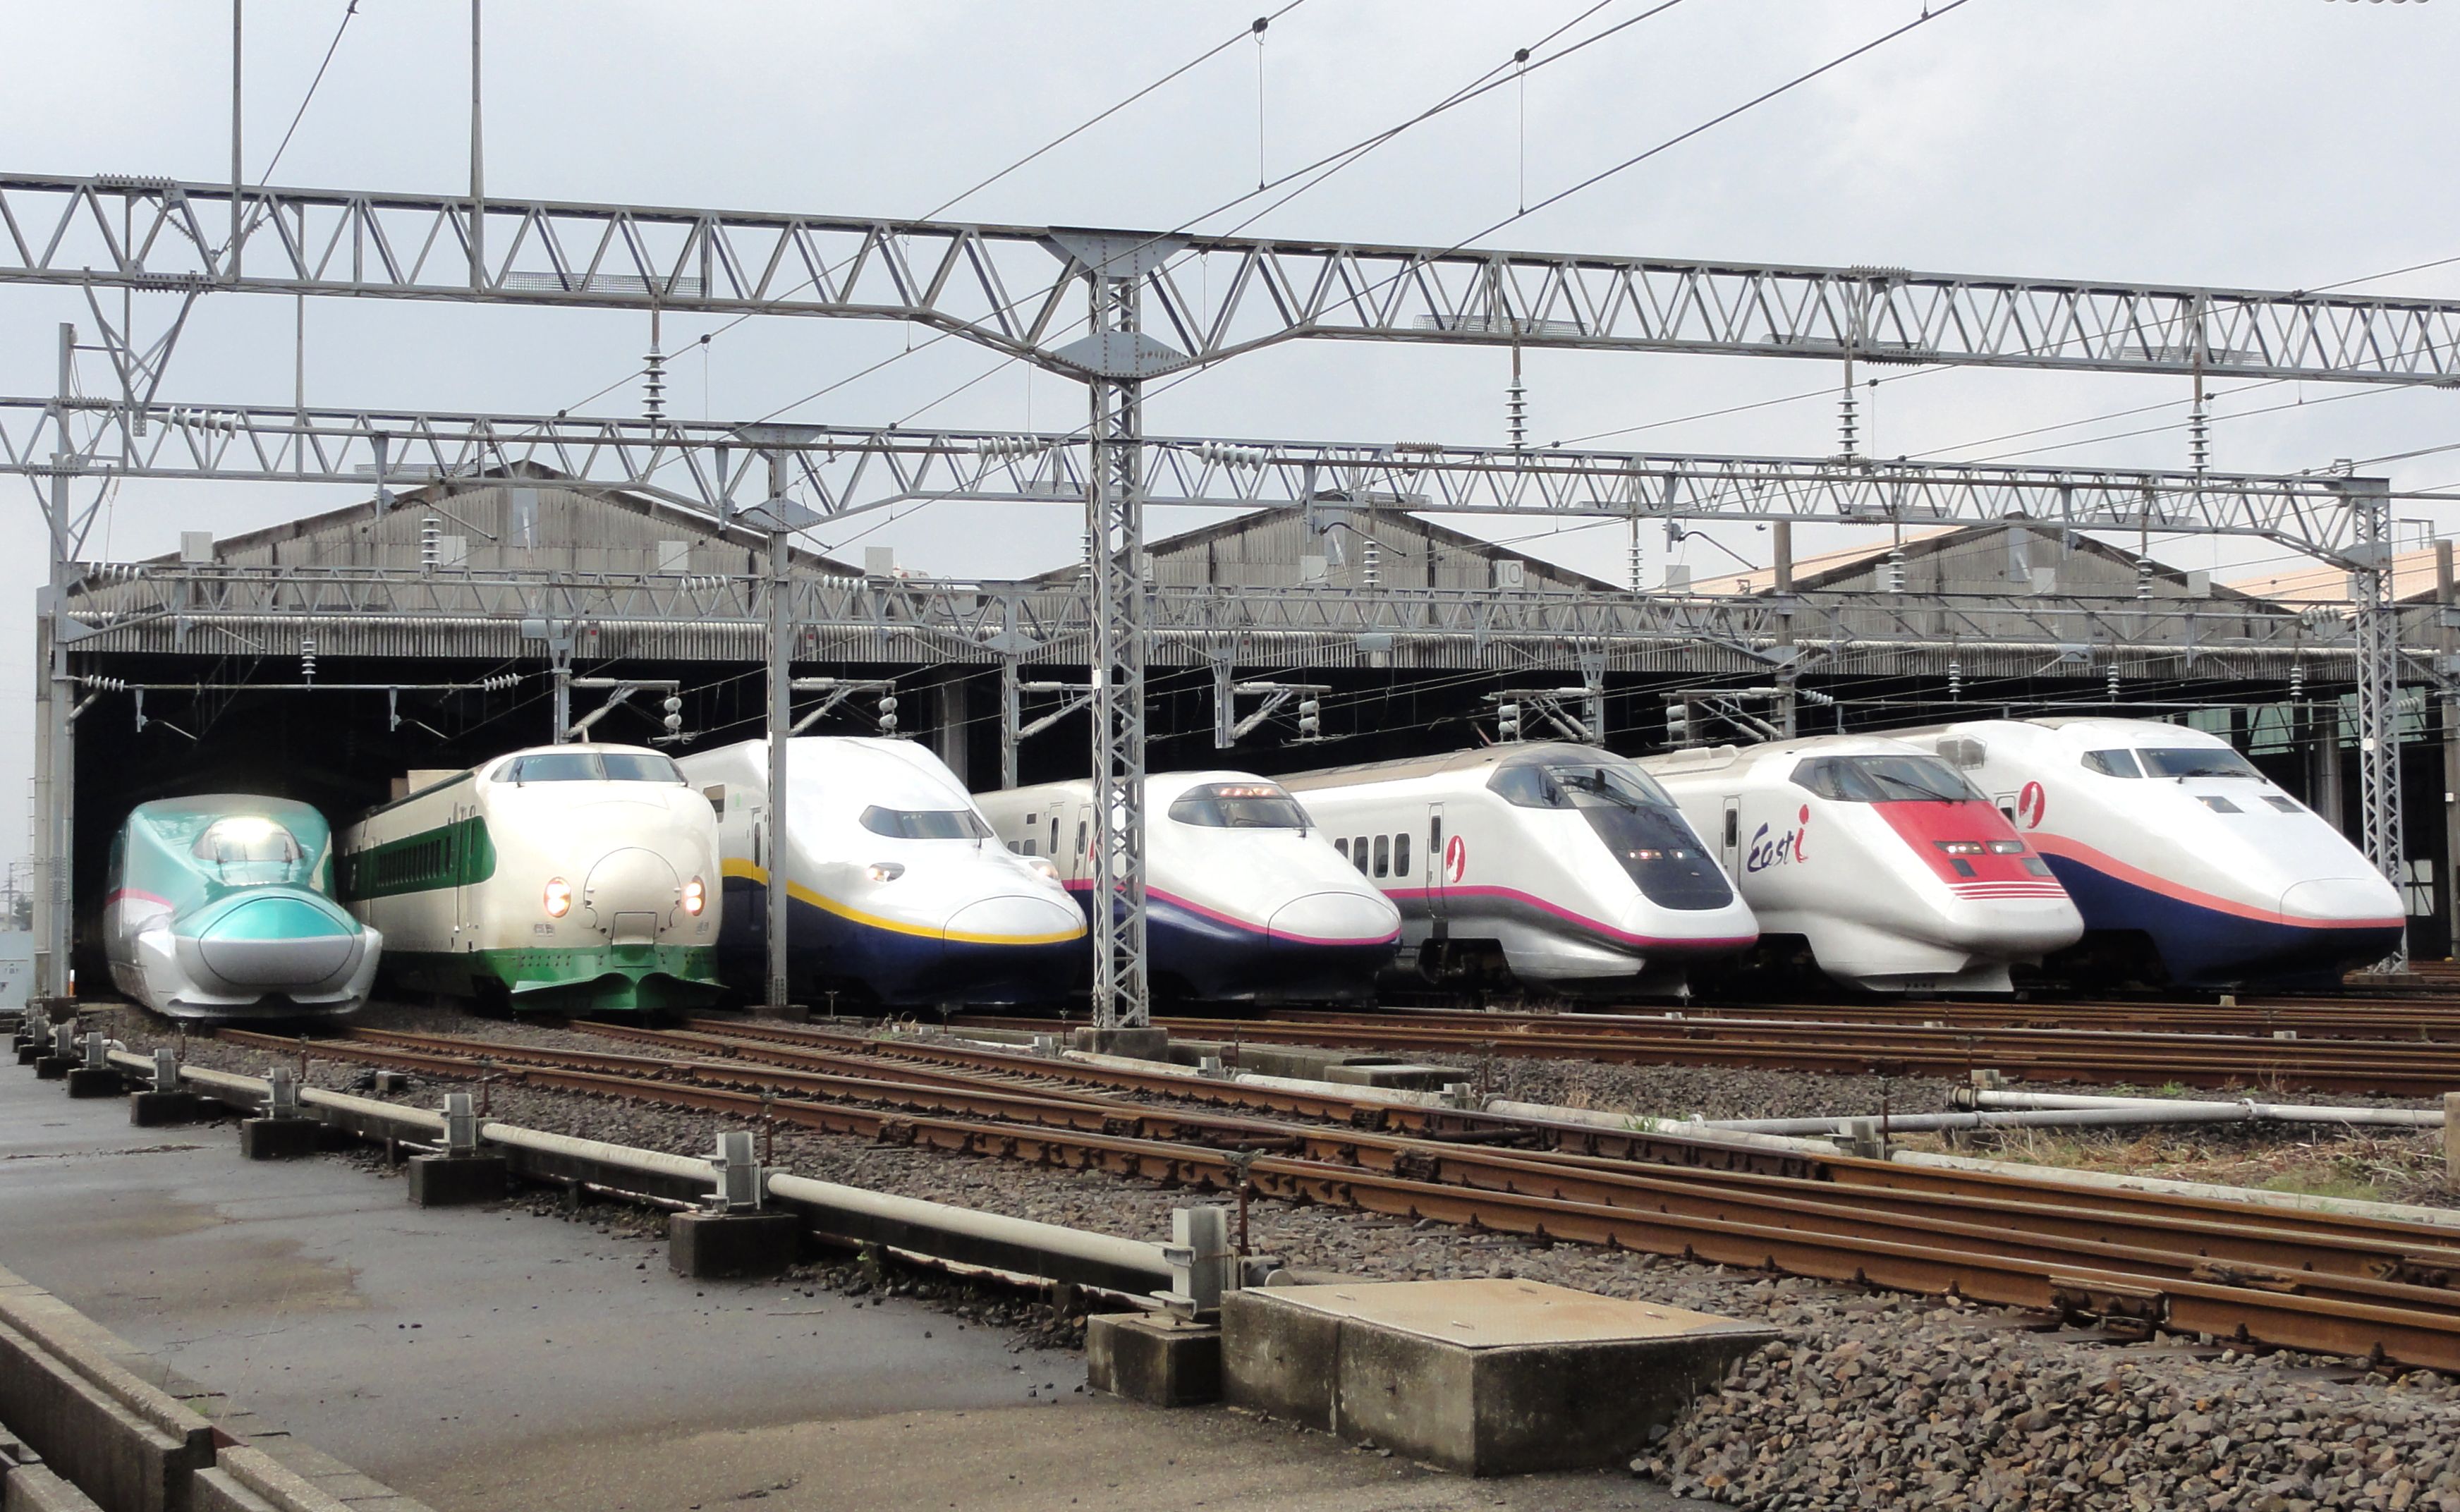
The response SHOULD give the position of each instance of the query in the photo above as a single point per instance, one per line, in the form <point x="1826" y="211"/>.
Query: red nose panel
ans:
<point x="1927" y="825"/>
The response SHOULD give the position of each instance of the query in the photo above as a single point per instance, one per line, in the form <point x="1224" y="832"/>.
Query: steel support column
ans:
<point x="2444" y="598"/>
<point x="781" y="722"/>
<point x="1117" y="356"/>
<point x="56" y="729"/>
<point x="2378" y="632"/>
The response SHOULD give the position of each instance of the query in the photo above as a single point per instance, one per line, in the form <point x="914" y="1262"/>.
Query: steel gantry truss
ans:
<point x="1210" y="297"/>
<point x="1157" y="304"/>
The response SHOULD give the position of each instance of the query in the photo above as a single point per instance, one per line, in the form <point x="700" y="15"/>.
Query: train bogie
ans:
<point x="221" y="907"/>
<point x="1244" y="900"/>
<point x="2188" y="865"/>
<point x="896" y="893"/>
<point x="1556" y="865"/>
<point x="565" y="879"/>
<point x="1893" y="873"/>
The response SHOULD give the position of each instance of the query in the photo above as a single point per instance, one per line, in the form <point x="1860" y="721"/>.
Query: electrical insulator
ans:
<point x="1678" y="724"/>
<point x="2113" y="685"/>
<point x="1310" y="719"/>
<point x="1955" y="682"/>
<point x="2297" y="681"/>
<point x="431" y="541"/>
<point x="1507" y="721"/>
<point x="308" y="658"/>
<point x="888" y="714"/>
<point x="1371" y="563"/>
<point x="675" y="719"/>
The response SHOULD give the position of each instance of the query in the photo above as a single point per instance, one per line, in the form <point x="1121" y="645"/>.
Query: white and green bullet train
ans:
<point x="220" y="907"/>
<point x="562" y="878"/>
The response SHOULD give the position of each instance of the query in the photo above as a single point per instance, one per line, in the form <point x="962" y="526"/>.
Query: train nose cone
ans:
<point x="631" y="891"/>
<point x="1334" y="918"/>
<point x="278" y="941"/>
<point x="2343" y="898"/>
<point x="1015" y="919"/>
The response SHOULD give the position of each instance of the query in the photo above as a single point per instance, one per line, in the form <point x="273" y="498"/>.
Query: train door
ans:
<point x="1080" y="856"/>
<point x="1437" y="872"/>
<point x="1729" y="837"/>
<point x="464" y="934"/>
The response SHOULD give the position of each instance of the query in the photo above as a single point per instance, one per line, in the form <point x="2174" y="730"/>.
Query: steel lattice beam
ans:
<point x="1215" y="297"/>
<point x="841" y="469"/>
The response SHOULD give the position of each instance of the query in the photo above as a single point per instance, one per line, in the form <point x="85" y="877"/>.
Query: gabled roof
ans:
<point x="1396" y="521"/>
<point x="1833" y="568"/>
<point x="1817" y="570"/>
<point x="2412" y="580"/>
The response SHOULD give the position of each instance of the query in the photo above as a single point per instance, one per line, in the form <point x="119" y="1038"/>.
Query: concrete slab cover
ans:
<point x="1488" y="1314"/>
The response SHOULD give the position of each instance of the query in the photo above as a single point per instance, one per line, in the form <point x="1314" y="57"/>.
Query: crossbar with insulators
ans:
<point x="1201" y="1262"/>
<point x="460" y="1125"/>
<point x="738" y="1175"/>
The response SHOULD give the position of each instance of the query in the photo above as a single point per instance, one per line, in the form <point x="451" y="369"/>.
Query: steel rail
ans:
<point x="2336" y="1314"/>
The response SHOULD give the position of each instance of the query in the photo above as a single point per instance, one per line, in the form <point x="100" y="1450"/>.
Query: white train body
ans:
<point x="896" y="892"/>
<point x="1893" y="872"/>
<point x="2167" y="839"/>
<point x="1246" y="900"/>
<point x="1563" y="865"/>
<point x="567" y="879"/>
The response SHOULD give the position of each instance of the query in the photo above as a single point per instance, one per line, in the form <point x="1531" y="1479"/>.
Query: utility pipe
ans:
<point x="2279" y="1112"/>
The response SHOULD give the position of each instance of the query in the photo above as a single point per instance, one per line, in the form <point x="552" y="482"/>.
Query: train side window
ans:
<point x="2112" y="763"/>
<point x="1435" y="835"/>
<point x="1383" y="855"/>
<point x="1343" y="846"/>
<point x="1358" y="854"/>
<point x="1401" y="855"/>
<point x="1080" y="837"/>
<point x="1733" y="827"/>
<point x="1054" y="834"/>
<point x="1026" y="848"/>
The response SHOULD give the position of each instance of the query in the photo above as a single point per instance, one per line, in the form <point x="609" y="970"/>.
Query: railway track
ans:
<point x="2381" y="1067"/>
<point x="2328" y="1284"/>
<point x="2339" y="1018"/>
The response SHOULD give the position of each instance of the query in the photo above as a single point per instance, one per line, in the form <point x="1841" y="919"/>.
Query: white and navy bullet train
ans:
<point x="1245" y="898"/>
<point x="1562" y="867"/>
<point x="897" y="891"/>
<point x="2174" y="844"/>
<point x="1877" y="858"/>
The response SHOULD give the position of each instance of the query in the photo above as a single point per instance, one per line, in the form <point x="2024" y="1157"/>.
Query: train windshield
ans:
<point x="1884" y="779"/>
<point x="2198" y="761"/>
<point x="590" y="766"/>
<point x="1635" y="818"/>
<point x="1238" y="805"/>
<point x="248" y="847"/>
<point x="926" y="824"/>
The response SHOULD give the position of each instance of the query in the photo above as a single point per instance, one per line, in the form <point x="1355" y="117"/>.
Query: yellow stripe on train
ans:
<point x="795" y="890"/>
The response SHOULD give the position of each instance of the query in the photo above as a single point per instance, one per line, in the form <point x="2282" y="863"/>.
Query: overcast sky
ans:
<point x="2267" y="143"/>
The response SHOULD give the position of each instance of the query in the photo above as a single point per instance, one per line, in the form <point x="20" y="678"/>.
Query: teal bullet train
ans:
<point x="222" y="907"/>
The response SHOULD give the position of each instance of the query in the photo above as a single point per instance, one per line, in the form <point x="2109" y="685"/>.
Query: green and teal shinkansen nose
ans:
<point x="270" y="938"/>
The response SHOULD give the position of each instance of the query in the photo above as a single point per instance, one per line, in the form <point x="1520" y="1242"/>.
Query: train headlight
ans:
<point x="695" y="897"/>
<point x="1959" y="847"/>
<point x="1041" y="864"/>
<point x="885" y="870"/>
<point x="557" y="898"/>
<point x="2007" y="847"/>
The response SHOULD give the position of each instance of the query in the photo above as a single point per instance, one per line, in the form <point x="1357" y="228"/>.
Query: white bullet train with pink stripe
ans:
<point x="2190" y="868"/>
<point x="1873" y="859"/>
<point x="1245" y="898"/>
<point x="1554" y="865"/>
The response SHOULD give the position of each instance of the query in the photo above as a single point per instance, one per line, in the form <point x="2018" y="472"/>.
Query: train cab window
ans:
<point x="1238" y="805"/>
<point x="2185" y="762"/>
<point x="1383" y="855"/>
<point x="2286" y="805"/>
<point x="1025" y="847"/>
<point x="2220" y="805"/>
<point x="1358" y="854"/>
<point x="2112" y="763"/>
<point x="1878" y="778"/>
<point x="1400" y="855"/>
<point x="639" y="766"/>
<point x="1343" y="846"/>
<point x="551" y="766"/>
<point x="924" y="823"/>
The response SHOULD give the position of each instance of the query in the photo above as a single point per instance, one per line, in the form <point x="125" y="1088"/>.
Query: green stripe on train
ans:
<point x="563" y="980"/>
<point x="455" y="855"/>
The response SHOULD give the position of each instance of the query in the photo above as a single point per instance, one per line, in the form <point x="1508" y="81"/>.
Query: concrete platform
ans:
<point x="1142" y="1044"/>
<point x="1366" y="1070"/>
<point x="1485" y="1377"/>
<point x="485" y="1360"/>
<point x="1153" y="1358"/>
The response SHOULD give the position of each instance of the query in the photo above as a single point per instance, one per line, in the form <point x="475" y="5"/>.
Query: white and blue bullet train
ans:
<point x="1876" y="858"/>
<point x="2188" y="863"/>
<point x="1246" y="900"/>
<point x="898" y="893"/>
<point x="1558" y="865"/>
